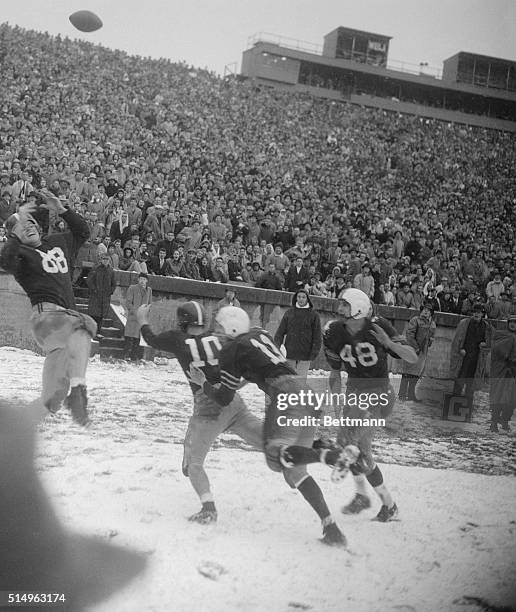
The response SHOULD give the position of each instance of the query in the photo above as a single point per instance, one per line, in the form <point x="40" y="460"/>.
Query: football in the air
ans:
<point x="85" y="21"/>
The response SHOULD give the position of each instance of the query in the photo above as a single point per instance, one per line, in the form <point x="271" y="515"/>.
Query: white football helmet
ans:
<point x="235" y="321"/>
<point x="360" y="304"/>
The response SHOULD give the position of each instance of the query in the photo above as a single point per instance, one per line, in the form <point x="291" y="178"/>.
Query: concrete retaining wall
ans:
<point x="169" y="292"/>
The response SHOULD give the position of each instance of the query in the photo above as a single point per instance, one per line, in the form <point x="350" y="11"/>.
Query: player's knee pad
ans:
<point x="375" y="478"/>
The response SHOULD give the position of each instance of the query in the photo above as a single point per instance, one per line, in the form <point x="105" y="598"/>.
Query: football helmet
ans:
<point x="191" y="313"/>
<point x="360" y="304"/>
<point x="235" y="321"/>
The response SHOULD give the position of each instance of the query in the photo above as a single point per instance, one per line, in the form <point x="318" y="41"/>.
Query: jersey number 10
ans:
<point x="207" y="342"/>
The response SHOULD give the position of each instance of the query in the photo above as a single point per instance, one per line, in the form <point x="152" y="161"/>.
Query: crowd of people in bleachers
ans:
<point x="182" y="173"/>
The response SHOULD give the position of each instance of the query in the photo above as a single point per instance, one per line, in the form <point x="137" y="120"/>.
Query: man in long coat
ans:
<point x="137" y="295"/>
<point x="503" y="375"/>
<point x="420" y="335"/>
<point x="101" y="283"/>
<point x="471" y="336"/>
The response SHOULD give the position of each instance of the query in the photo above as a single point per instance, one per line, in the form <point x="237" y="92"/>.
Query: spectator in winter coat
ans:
<point x="137" y="295"/>
<point x="471" y="336"/>
<point x="101" y="284"/>
<point x="300" y="332"/>
<point x="503" y="375"/>
<point x="419" y="334"/>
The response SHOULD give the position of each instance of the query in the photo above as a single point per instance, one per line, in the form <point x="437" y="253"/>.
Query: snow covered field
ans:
<point x="453" y="548"/>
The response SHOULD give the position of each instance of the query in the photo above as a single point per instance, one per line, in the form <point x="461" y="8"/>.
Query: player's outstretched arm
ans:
<point x="403" y="351"/>
<point x="167" y="341"/>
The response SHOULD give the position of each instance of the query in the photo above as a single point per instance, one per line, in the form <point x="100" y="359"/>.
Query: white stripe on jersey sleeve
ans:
<point x="230" y="383"/>
<point x="199" y="314"/>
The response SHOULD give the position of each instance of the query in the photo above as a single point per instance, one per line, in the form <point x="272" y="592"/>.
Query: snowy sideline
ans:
<point x="452" y="548"/>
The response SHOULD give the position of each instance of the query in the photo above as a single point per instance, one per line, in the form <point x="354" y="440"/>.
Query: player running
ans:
<point x="252" y="355"/>
<point x="41" y="265"/>
<point x="191" y="343"/>
<point x="361" y="343"/>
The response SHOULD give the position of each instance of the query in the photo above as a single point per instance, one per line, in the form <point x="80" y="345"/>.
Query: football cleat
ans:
<point x="387" y="514"/>
<point x="332" y="535"/>
<point x="77" y="403"/>
<point x="358" y="503"/>
<point x="347" y="458"/>
<point x="323" y="442"/>
<point x="204" y="517"/>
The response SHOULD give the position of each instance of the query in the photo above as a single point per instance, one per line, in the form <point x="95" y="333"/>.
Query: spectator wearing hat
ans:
<point x="101" y="284"/>
<point x="503" y="375"/>
<point x="229" y="299"/>
<point x="471" y="336"/>
<point x="419" y="335"/>
<point x="136" y="296"/>
<point x="300" y="331"/>
<point x="297" y="276"/>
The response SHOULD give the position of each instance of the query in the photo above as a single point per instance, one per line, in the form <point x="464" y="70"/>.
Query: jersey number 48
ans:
<point x="365" y="354"/>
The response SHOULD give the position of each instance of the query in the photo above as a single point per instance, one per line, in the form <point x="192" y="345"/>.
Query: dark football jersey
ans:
<point x="45" y="272"/>
<point x="254" y="357"/>
<point x="363" y="357"/>
<point x="202" y="351"/>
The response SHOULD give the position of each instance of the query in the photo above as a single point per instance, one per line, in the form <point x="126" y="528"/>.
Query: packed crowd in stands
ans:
<point x="182" y="173"/>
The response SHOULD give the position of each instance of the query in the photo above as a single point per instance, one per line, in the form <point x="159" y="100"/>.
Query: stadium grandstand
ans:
<point x="336" y="157"/>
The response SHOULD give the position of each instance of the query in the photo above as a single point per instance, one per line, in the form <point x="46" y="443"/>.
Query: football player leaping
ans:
<point x="191" y="343"/>
<point x="252" y="355"/>
<point x="361" y="343"/>
<point x="41" y="264"/>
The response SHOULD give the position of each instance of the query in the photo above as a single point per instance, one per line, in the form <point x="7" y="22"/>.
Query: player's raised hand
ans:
<point x="142" y="314"/>
<point x="51" y="201"/>
<point x="26" y="210"/>
<point x="196" y="375"/>
<point x="380" y="334"/>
